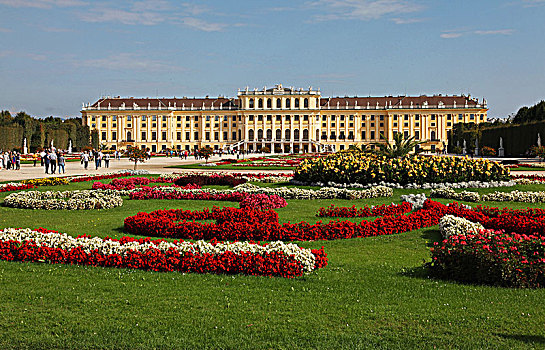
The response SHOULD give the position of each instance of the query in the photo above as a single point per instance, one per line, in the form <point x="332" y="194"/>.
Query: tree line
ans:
<point x="40" y="132"/>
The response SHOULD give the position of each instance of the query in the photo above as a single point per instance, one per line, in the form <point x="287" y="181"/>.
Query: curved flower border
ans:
<point x="67" y="200"/>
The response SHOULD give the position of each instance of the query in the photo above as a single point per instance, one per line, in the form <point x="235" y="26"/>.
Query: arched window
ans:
<point x="251" y="135"/>
<point x="317" y="135"/>
<point x="305" y="134"/>
<point x="260" y="103"/>
<point x="269" y="103"/>
<point x="305" y="103"/>
<point x="129" y="136"/>
<point x="296" y="103"/>
<point x="287" y="134"/>
<point x="296" y="134"/>
<point x="251" y="103"/>
<point x="239" y="135"/>
<point x="288" y="102"/>
<point x="269" y="134"/>
<point x="259" y="134"/>
<point x="278" y="103"/>
<point x="278" y="134"/>
<point x="433" y="135"/>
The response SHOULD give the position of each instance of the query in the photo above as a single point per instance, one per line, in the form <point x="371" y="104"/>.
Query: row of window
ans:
<point x="259" y="101"/>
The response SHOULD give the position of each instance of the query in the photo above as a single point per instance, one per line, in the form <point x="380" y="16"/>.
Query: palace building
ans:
<point x="284" y="120"/>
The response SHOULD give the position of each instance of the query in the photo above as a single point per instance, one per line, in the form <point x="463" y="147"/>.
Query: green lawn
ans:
<point x="373" y="294"/>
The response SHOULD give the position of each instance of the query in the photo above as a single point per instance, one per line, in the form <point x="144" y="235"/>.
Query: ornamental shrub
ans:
<point x="353" y="167"/>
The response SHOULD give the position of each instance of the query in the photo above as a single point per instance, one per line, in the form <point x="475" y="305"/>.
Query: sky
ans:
<point x="57" y="54"/>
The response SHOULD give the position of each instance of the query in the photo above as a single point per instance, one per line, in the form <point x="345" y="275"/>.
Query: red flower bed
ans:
<point x="122" y="184"/>
<point x="248" y="224"/>
<point x="203" y="180"/>
<point x="157" y="193"/>
<point x="268" y="264"/>
<point x="262" y="202"/>
<point x="497" y="258"/>
<point x="529" y="177"/>
<point x="16" y="187"/>
<point x="353" y="212"/>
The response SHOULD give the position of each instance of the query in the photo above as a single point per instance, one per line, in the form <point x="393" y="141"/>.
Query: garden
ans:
<point x="352" y="250"/>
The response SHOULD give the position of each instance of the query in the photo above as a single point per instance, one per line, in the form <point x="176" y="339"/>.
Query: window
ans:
<point x="234" y="118"/>
<point x="395" y="125"/>
<point x="296" y="118"/>
<point x="342" y="117"/>
<point x="187" y="135"/>
<point x="395" y="117"/>
<point x="342" y="125"/>
<point x="269" y="118"/>
<point x="103" y="125"/>
<point x="103" y="118"/>
<point x="154" y="125"/>
<point x="433" y="117"/>
<point x="405" y="125"/>
<point x="259" y="118"/>
<point x="363" y="134"/>
<point x="324" y="135"/>
<point x="417" y="117"/>
<point x="164" y="136"/>
<point x="372" y="117"/>
<point x="332" y="117"/>
<point x="278" y="118"/>
<point x="305" y="118"/>
<point x="129" y="136"/>
<point x="207" y="118"/>
<point x="251" y="118"/>
<point x="269" y="103"/>
<point x="332" y="125"/>
<point x="324" y="118"/>
<point x="103" y="135"/>
<point x="417" y="134"/>
<point x="406" y="117"/>
<point x="324" y="125"/>
<point x="288" y="103"/>
<point x="234" y="135"/>
<point x="114" y="118"/>
<point x="278" y="103"/>
<point x="296" y="134"/>
<point x="472" y="116"/>
<point x="372" y="135"/>
<point x="305" y="134"/>
<point x="93" y="118"/>
<point x="350" y="135"/>
<point x="196" y="118"/>
<point x="287" y="134"/>
<point x="164" y="125"/>
<point x="449" y="116"/>
<point x="216" y="135"/>
<point x="382" y="117"/>
<point x="351" y="118"/>
<point x="114" y="135"/>
<point x="164" y="118"/>
<point x="251" y="103"/>
<point x="260" y="103"/>
<point x="154" y="136"/>
<point x="143" y="136"/>
<point x="305" y="103"/>
<point x="287" y="118"/>
<point x="251" y="135"/>
<point x="449" y="124"/>
<point x="432" y="134"/>
<point x="278" y="134"/>
<point x="129" y="118"/>
<point x="225" y="135"/>
<point x="178" y="136"/>
<point x="207" y="136"/>
<point x="153" y="117"/>
<point x="296" y="103"/>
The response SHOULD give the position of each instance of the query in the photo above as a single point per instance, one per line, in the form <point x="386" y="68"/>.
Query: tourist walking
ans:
<point x="53" y="164"/>
<point x="107" y="160"/>
<point x="47" y="161"/>
<point x="85" y="159"/>
<point x="61" y="162"/>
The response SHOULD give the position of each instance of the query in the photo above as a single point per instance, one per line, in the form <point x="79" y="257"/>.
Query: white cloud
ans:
<point x="361" y="9"/>
<point x="100" y="15"/>
<point x="495" y="32"/>
<point x="5" y="30"/>
<point x="126" y="61"/>
<point x="454" y="34"/>
<point x="407" y="20"/>
<point x="532" y="3"/>
<point x="200" y="24"/>
<point x="43" y="3"/>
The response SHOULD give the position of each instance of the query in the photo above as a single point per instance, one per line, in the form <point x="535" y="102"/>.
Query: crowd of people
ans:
<point x="10" y="160"/>
<point x="52" y="160"/>
<point x="100" y="158"/>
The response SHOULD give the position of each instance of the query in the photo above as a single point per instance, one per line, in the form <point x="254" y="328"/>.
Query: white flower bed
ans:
<point x="67" y="200"/>
<point x="450" y="225"/>
<point x="107" y="247"/>
<point x="464" y="184"/>
<point x="416" y="199"/>
<point x="513" y="196"/>
<point x="270" y="178"/>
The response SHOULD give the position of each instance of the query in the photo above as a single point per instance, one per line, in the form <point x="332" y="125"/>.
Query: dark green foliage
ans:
<point x="40" y="132"/>
<point x="94" y="139"/>
<point x="530" y="114"/>
<point x="402" y="146"/>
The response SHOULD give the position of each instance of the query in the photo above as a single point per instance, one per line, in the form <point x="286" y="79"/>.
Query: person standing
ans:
<point x="85" y="159"/>
<point x="61" y="162"/>
<point x="107" y="160"/>
<point x="17" y="161"/>
<point x="47" y="161"/>
<point x="42" y="157"/>
<point x="53" y="165"/>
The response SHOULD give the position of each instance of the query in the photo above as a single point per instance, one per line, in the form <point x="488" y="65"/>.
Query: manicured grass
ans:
<point x="374" y="294"/>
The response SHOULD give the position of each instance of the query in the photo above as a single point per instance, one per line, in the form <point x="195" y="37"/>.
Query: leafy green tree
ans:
<point x="206" y="152"/>
<point x="401" y="147"/>
<point x="136" y="155"/>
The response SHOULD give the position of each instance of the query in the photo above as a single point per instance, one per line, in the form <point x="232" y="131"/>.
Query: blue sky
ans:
<point x="56" y="54"/>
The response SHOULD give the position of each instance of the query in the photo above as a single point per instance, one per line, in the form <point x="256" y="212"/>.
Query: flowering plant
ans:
<point x="47" y="181"/>
<point x="273" y="259"/>
<point x="68" y="200"/>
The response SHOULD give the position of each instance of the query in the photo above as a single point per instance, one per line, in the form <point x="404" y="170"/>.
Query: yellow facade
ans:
<point x="282" y="119"/>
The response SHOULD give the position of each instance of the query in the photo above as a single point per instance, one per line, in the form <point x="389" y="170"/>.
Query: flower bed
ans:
<point x="47" y="181"/>
<point x="284" y="192"/>
<point x="351" y="167"/>
<point x="468" y="196"/>
<point x="273" y="259"/>
<point x="203" y="180"/>
<point x="65" y="200"/>
<point x="14" y="186"/>
<point x="427" y="185"/>
<point x="496" y="258"/>
<point x="256" y="177"/>
<point x="262" y="202"/>
<point x="353" y="212"/>
<point x="450" y="225"/>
